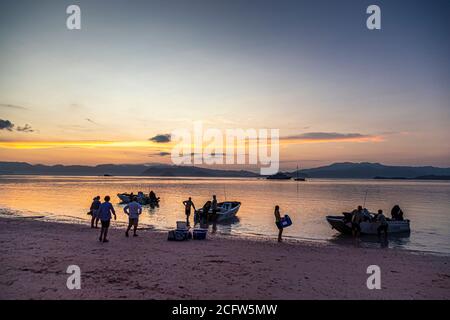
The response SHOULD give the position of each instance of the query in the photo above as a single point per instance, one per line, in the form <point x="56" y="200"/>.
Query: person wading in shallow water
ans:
<point x="104" y="214"/>
<point x="383" y="223"/>
<point x="278" y="222"/>
<point x="357" y="218"/>
<point x="187" y="209"/>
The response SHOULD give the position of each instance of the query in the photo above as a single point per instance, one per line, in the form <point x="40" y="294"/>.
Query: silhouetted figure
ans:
<point x="278" y="223"/>
<point x="397" y="213"/>
<point x="94" y="211"/>
<point x="214" y="209"/>
<point x="357" y="218"/>
<point x="104" y="214"/>
<point x="188" y="204"/>
<point x="133" y="210"/>
<point x="383" y="223"/>
<point x="152" y="197"/>
<point x="205" y="212"/>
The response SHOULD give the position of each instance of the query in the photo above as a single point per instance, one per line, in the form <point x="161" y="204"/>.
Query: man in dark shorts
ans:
<point x="188" y="204"/>
<point x="104" y="214"/>
<point x="133" y="210"/>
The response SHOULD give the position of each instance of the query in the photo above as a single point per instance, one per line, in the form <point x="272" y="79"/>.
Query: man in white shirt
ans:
<point x="133" y="210"/>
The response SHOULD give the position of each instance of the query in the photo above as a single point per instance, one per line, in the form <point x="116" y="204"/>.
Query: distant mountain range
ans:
<point x="160" y="170"/>
<point x="363" y="170"/>
<point x="367" y="170"/>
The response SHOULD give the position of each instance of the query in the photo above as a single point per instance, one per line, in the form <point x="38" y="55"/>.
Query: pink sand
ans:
<point x="35" y="255"/>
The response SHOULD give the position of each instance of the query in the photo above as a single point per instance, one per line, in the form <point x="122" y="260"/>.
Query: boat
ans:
<point x="343" y="225"/>
<point x="141" y="198"/>
<point x="279" y="176"/>
<point x="297" y="178"/>
<point x="227" y="210"/>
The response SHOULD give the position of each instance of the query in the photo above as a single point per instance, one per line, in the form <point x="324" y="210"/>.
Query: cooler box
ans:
<point x="200" y="234"/>
<point x="181" y="235"/>
<point x="178" y="235"/>
<point x="181" y="225"/>
<point x="286" y="221"/>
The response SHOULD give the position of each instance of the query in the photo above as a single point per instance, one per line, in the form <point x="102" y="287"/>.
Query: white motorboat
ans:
<point x="343" y="225"/>
<point x="227" y="210"/>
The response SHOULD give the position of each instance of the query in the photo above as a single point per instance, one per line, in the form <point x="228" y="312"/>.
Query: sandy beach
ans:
<point x="35" y="255"/>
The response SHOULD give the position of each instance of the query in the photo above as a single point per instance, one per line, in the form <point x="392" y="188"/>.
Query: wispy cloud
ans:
<point x="161" y="138"/>
<point x="12" y="106"/>
<point x="321" y="137"/>
<point x="15" y="144"/>
<point x="90" y="120"/>
<point x="25" y="128"/>
<point x="160" y="154"/>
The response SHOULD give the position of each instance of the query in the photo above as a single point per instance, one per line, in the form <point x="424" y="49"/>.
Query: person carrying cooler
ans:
<point x="133" y="210"/>
<point x="278" y="222"/>
<point x="104" y="214"/>
<point x="188" y="204"/>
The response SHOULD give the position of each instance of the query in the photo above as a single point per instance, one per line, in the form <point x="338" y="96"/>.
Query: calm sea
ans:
<point x="425" y="203"/>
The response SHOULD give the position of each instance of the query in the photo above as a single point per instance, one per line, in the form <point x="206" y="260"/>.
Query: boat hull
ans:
<point x="227" y="210"/>
<point x="338" y="223"/>
<point x="125" y="198"/>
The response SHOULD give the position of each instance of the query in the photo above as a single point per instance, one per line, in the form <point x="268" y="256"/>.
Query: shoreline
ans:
<point x="365" y="243"/>
<point x="35" y="255"/>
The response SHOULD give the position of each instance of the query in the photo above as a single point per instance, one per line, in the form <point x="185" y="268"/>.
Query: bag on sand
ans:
<point x="179" y="235"/>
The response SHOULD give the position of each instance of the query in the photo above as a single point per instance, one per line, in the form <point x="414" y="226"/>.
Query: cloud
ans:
<point x="317" y="137"/>
<point x="12" y="106"/>
<point x="6" y="125"/>
<point x="164" y="153"/>
<point x="161" y="138"/>
<point x="9" y="126"/>
<point x="25" y="128"/>
<point x="90" y="120"/>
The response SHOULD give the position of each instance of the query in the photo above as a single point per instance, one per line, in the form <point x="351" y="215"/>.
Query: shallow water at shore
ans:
<point x="425" y="203"/>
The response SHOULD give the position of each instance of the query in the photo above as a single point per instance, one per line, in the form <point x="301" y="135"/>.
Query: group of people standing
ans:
<point x="202" y="216"/>
<point x="104" y="212"/>
<point x="359" y="215"/>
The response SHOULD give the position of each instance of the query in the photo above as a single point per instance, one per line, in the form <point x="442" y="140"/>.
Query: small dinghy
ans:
<point x="141" y="199"/>
<point x="226" y="210"/>
<point x="343" y="225"/>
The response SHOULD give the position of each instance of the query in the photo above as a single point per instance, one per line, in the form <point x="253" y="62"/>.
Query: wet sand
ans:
<point x="35" y="254"/>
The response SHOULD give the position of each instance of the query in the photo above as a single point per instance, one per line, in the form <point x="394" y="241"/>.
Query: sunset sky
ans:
<point x="140" y="69"/>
